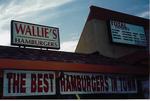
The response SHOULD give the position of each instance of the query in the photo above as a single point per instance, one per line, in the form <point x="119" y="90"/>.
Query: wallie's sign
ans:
<point x="27" y="34"/>
<point x="32" y="83"/>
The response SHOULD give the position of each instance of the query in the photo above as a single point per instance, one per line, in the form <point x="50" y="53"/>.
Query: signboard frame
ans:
<point x="12" y="36"/>
<point x="121" y="43"/>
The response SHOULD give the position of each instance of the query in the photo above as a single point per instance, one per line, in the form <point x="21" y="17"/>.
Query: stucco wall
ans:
<point x="95" y="37"/>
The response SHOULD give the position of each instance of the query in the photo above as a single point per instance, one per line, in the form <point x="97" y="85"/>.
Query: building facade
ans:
<point x="96" y="35"/>
<point x="99" y="69"/>
<point x="113" y="34"/>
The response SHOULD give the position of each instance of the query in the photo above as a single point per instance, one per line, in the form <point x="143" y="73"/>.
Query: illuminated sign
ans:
<point x="27" y="34"/>
<point x="127" y="33"/>
<point x="88" y="83"/>
<point x="28" y="83"/>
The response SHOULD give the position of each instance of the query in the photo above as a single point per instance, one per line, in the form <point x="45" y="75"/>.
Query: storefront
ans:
<point x="99" y="69"/>
<point x="30" y="73"/>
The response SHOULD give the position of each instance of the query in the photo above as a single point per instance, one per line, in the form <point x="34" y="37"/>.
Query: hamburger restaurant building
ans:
<point x="110" y="60"/>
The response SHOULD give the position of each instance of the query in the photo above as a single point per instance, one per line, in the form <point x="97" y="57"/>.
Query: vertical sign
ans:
<point x="27" y="34"/>
<point x="28" y="83"/>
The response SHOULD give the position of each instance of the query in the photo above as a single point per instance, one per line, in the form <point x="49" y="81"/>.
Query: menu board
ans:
<point x="127" y="33"/>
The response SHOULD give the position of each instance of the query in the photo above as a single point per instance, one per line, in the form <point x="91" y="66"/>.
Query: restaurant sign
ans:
<point x="91" y="83"/>
<point x="126" y="33"/>
<point x="32" y="83"/>
<point x="33" y="35"/>
<point x="28" y="83"/>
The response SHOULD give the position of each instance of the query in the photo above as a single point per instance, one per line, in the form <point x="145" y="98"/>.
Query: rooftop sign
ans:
<point x="127" y="33"/>
<point x="33" y="35"/>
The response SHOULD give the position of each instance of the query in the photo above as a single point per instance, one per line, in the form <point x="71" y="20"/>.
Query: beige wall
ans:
<point x="95" y="37"/>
